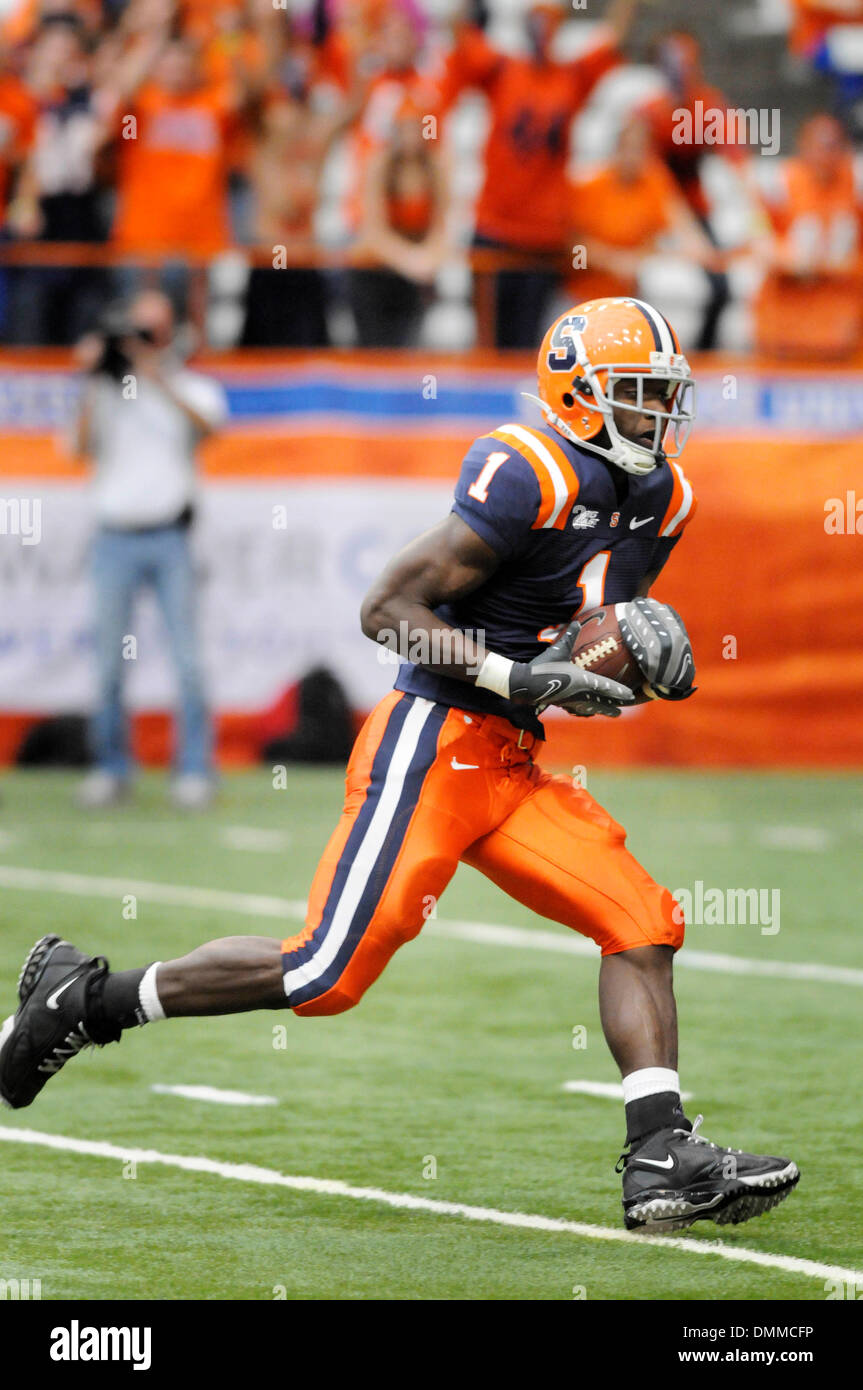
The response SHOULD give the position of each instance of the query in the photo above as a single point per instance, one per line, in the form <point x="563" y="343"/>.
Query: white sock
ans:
<point x="148" y="995"/>
<point x="649" y="1081"/>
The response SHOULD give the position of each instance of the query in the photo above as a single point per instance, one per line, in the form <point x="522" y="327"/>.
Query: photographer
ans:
<point x="142" y="416"/>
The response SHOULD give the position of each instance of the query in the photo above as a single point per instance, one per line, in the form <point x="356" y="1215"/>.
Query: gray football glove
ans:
<point x="657" y="638"/>
<point x="551" y="679"/>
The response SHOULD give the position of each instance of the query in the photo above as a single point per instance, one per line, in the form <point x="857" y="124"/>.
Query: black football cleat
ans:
<point x="677" y="1177"/>
<point x="56" y="1018"/>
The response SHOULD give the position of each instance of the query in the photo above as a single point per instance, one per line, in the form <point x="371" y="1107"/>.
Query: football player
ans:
<point x="549" y="520"/>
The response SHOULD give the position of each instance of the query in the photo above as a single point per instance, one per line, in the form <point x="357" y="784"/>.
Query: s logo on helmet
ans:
<point x="561" y="356"/>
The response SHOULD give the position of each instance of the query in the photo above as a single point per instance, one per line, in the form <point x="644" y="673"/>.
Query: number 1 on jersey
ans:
<point x="591" y="581"/>
<point x="479" y="489"/>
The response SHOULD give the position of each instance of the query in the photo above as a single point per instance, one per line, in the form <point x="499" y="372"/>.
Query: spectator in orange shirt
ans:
<point x="619" y="213"/>
<point x="393" y="70"/>
<point x="173" y="173"/>
<point x="678" y="56"/>
<point x="245" y="46"/>
<point x="406" y="202"/>
<point x="811" y="298"/>
<point x="533" y="100"/>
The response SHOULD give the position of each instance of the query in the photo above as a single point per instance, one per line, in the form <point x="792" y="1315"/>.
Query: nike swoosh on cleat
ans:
<point x="657" y="1163"/>
<point x="634" y="525"/>
<point x="463" y="767"/>
<point x="51" y="1001"/>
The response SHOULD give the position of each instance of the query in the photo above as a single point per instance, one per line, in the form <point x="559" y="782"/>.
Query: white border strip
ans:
<point x="406" y="1201"/>
<point x="562" y="942"/>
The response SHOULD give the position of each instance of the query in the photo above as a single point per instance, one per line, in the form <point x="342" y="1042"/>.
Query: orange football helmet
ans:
<point x="587" y="352"/>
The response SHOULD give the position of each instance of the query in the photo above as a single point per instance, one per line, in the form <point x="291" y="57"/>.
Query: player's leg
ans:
<point x="230" y="976"/>
<point x="563" y="856"/>
<point x="406" y="822"/>
<point x="390" y="858"/>
<point x="68" y="1000"/>
<point x="637" y="1007"/>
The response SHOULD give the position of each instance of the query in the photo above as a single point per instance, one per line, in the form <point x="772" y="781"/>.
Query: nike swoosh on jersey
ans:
<point x="634" y="523"/>
<point x="51" y="1001"/>
<point x="657" y="1163"/>
<point x="463" y="767"/>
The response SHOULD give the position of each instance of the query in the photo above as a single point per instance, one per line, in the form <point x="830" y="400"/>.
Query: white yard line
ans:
<point x="210" y="1093"/>
<point x="810" y="839"/>
<point x="253" y="837"/>
<point x="171" y="894"/>
<point x="528" y="938"/>
<point x="482" y="933"/>
<point x="406" y="1201"/>
<point x="259" y="839"/>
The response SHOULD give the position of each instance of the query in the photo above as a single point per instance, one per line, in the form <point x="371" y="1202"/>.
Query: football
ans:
<point x="600" y="648"/>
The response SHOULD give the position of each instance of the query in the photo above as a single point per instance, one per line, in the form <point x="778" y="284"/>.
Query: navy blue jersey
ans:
<point x="572" y="533"/>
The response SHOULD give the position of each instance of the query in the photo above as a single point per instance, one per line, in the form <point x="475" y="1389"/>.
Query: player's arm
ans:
<point x="444" y="565"/>
<point x="615" y="27"/>
<point x="440" y="566"/>
<point x="472" y="61"/>
<point x="619" y="19"/>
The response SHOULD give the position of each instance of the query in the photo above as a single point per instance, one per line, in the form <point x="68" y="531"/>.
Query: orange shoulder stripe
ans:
<point x="681" y="507"/>
<point x="558" y="483"/>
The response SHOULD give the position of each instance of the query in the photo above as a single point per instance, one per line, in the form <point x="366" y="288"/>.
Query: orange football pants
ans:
<point x="429" y="786"/>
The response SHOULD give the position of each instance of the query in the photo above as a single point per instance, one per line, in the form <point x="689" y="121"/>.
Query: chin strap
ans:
<point x="630" y="457"/>
<point x="553" y="419"/>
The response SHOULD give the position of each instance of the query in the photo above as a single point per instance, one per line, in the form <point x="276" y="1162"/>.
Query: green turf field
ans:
<point x="458" y="1055"/>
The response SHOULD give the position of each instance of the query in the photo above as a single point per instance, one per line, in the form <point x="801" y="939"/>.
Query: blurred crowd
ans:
<point x="157" y="135"/>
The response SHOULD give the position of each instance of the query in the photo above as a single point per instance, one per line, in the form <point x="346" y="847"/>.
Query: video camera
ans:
<point x="115" y="328"/>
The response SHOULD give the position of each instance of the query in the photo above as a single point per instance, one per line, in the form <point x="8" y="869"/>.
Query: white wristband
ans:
<point x="494" y="674"/>
<point x="148" y="995"/>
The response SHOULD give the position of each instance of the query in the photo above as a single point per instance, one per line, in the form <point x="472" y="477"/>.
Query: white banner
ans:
<point x="283" y="569"/>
